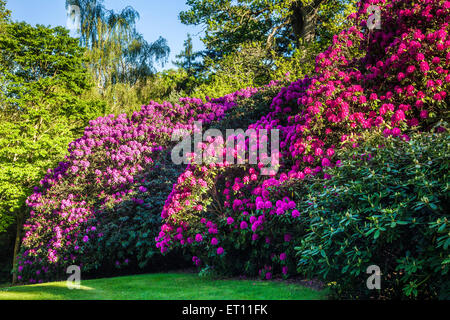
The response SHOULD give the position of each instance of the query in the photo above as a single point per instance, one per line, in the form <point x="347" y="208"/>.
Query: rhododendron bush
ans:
<point x="393" y="80"/>
<point x="78" y="210"/>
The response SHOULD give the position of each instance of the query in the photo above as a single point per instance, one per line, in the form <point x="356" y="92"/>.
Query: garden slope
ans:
<point x="233" y="218"/>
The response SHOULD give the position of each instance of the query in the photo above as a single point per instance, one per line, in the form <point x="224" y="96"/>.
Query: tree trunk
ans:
<point x="304" y="20"/>
<point x="19" y="221"/>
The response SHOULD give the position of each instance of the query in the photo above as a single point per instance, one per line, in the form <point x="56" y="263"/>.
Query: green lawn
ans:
<point x="165" y="286"/>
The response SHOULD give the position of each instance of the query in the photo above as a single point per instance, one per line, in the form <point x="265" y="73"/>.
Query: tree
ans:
<point x="186" y="59"/>
<point x="5" y="220"/>
<point x="42" y="75"/>
<point x="189" y="67"/>
<point x="118" y="53"/>
<point x="4" y="14"/>
<point x="279" y="24"/>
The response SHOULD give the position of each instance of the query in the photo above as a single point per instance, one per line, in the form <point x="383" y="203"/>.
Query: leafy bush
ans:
<point x="387" y="204"/>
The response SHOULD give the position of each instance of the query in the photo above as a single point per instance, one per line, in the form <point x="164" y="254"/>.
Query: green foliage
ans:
<point x="248" y="111"/>
<point x="187" y="63"/>
<point x="300" y="62"/>
<point x="332" y="19"/>
<point x="41" y="77"/>
<point x="208" y="272"/>
<point x="247" y="67"/>
<point x="232" y="23"/>
<point x="5" y="14"/>
<point x="168" y="85"/>
<point x="386" y="205"/>
<point x="250" y="42"/>
<point x="297" y="65"/>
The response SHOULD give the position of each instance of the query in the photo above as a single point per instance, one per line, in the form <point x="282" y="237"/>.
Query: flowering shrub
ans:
<point x="387" y="205"/>
<point x="107" y="176"/>
<point x="394" y="80"/>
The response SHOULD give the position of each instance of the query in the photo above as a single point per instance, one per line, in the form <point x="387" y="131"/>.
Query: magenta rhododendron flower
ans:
<point x="424" y="114"/>
<point x="198" y="237"/>
<point x="284" y="269"/>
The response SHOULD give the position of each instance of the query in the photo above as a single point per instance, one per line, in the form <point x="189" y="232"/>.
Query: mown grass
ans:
<point x="163" y="286"/>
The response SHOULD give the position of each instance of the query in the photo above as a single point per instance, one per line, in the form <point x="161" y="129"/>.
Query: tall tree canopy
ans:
<point x="278" y="24"/>
<point x="4" y="14"/>
<point x="118" y="53"/>
<point x="187" y="59"/>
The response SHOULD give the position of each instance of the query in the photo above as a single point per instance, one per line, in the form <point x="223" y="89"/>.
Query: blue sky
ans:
<point x="157" y="18"/>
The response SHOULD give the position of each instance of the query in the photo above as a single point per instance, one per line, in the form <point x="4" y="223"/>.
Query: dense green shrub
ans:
<point x="387" y="204"/>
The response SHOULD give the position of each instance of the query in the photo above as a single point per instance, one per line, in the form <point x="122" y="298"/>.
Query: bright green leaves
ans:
<point x="382" y="210"/>
<point x="42" y="75"/>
